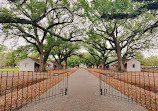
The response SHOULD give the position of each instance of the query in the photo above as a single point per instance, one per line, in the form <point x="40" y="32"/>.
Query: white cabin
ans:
<point x="29" y="64"/>
<point x="53" y="65"/>
<point x="131" y="65"/>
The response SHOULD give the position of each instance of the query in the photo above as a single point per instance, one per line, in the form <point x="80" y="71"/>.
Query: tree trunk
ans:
<point x="66" y="63"/>
<point x="104" y="59"/>
<point x="120" y="63"/>
<point x="42" y="64"/>
<point x="118" y="52"/>
<point x="60" y="65"/>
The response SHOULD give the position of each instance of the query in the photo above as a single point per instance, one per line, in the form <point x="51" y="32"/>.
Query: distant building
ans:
<point x="131" y="65"/>
<point x="112" y="66"/>
<point x="82" y="66"/>
<point x="54" y="65"/>
<point x="30" y="64"/>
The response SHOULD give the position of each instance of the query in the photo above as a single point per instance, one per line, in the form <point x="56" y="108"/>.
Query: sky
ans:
<point x="14" y="43"/>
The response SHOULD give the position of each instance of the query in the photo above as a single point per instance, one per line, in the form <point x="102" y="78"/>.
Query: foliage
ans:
<point x="115" y="27"/>
<point x="37" y="8"/>
<point x="5" y="13"/>
<point x="139" y="56"/>
<point x="125" y="35"/>
<point x="3" y="60"/>
<point x="3" y="56"/>
<point x="38" y="22"/>
<point x="2" y="48"/>
<point x="151" y="61"/>
<point x="91" y="60"/>
<point x="97" y="46"/>
<point x="74" y="61"/>
<point x="64" y="50"/>
<point x="14" y="56"/>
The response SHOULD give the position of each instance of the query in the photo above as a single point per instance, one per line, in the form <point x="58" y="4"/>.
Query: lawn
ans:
<point x="9" y="69"/>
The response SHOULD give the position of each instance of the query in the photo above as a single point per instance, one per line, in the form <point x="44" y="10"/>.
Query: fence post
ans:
<point x="155" y="91"/>
<point x="1" y="84"/>
<point x="101" y="91"/>
<point x="66" y="88"/>
<point x="6" y="92"/>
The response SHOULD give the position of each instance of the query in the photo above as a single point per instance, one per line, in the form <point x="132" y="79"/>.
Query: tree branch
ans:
<point x="139" y="11"/>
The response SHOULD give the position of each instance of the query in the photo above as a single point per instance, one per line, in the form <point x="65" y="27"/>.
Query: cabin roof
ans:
<point x="116" y="64"/>
<point x="56" y="63"/>
<point x="37" y="60"/>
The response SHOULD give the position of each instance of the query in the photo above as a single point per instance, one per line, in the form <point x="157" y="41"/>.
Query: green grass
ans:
<point x="9" y="69"/>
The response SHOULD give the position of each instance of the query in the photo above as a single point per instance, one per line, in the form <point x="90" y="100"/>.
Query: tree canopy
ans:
<point x="38" y="22"/>
<point x="55" y="29"/>
<point x="124" y="34"/>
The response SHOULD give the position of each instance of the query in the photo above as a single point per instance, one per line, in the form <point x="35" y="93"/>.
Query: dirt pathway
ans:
<point x="83" y="95"/>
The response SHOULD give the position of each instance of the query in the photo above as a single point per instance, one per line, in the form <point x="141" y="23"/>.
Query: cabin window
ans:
<point x="26" y="64"/>
<point x="133" y="65"/>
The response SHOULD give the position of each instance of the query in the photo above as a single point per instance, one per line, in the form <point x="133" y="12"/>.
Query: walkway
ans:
<point x="83" y="95"/>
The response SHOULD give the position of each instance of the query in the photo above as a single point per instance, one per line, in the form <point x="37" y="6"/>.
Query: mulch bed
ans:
<point x="24" y="87"/>
<point x="141" y="87"/>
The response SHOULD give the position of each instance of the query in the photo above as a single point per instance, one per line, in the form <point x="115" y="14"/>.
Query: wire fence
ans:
<point x="18" y="89"/>
<point x="135" y="87"/>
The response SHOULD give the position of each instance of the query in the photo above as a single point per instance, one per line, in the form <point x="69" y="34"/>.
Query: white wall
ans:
<point x="131" y="63"/>
<point x="26" y="65"/>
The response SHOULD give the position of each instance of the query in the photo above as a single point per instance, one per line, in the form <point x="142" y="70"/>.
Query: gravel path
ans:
<point x="83" y="95"/>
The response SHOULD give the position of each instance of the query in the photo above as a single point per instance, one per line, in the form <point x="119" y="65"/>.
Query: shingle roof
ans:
<point x="116" y="64"/>
<point x="56" y="63"/>
<point x="37" y="60"/>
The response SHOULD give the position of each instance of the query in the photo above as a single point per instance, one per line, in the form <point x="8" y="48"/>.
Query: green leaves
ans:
<point x="121" y="5"/>
<point x="74" y="61"/>
<point x="4" y="12"/>
<point x="2" y="48"/>
<point x="151" y="61"/>
<point x="36" y="7"/>
<point x="64" y="50"/>
<point x="85" y="5"/>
